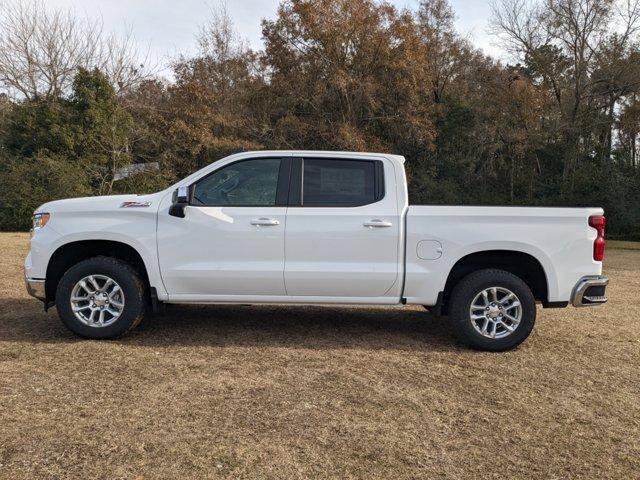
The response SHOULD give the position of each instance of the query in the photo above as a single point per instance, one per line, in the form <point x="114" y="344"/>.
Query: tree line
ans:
<point x="557" y="126"/>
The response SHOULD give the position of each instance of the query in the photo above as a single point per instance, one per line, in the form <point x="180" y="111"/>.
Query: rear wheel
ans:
<point x="101" y="298"/>
<point x="492" y="310"/>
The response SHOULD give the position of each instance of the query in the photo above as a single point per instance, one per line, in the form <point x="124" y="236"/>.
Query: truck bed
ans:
<point x="439" y="236"/>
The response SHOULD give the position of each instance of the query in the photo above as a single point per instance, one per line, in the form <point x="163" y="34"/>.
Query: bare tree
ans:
<point x="225" y="62"/>
<point x="41" y="50"/>
<point x="218" y="37"/>
<point x="443" y="56"/>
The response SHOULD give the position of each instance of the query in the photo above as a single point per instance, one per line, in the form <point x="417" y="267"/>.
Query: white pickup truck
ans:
<point x="311" y="227"/>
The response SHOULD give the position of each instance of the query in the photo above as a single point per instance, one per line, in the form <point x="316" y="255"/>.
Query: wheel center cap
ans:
<point x="494" y="311"/>
<point x="100" y="301"/>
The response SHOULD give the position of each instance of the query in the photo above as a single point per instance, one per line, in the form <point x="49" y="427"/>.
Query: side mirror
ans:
<point x="180" y="202"/>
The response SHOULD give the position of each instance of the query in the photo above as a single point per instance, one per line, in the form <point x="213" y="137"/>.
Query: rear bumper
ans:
<point x="35" y="287"/>
<point x="590" y="291"/>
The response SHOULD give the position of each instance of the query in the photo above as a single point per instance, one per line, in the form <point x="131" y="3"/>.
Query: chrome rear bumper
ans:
<point x="35" y="287"/>
<point x="590" y="291"/>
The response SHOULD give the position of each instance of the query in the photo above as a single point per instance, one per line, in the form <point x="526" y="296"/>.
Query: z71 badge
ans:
<point x="135" y="204"/>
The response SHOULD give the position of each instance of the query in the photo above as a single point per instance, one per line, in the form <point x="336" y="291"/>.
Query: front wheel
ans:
<point x="101" y="298"/>
<point x="492" y="310"/>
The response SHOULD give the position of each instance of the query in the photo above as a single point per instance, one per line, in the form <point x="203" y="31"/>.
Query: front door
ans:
<point x="343" y="229"/>
<point x="231" y="241"/>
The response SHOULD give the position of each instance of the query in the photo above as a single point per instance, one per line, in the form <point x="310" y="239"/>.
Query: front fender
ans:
<point x="133" y="227"/>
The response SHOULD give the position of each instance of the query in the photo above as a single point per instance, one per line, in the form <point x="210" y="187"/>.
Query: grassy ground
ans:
<point x="319" y="392"/>
<point x="622" y="245"/>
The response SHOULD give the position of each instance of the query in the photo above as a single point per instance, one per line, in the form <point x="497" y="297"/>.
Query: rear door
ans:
<point x="343" y="228"/>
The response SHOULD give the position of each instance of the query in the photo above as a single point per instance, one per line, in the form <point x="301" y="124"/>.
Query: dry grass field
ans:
<point x="319" y="392"/>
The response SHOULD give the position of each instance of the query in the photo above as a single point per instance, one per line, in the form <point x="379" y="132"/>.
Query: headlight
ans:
<point x="40" y="220"/>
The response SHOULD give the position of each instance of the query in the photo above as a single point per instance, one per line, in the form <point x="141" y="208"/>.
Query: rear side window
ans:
<point x="341" y="183"/>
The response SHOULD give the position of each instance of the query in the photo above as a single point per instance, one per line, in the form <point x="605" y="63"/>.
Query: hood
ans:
<point x="101" y="203"/>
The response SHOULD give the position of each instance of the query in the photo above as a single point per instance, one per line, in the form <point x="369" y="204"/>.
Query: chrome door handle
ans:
<point x="265" y="221"/>
<point x="377" y="223"/>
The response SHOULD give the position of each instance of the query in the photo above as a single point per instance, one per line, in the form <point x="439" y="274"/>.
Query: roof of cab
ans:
<point x="303" y="153"/>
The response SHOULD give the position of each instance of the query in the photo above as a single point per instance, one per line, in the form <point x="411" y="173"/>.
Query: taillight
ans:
<point x="598" y="222"/>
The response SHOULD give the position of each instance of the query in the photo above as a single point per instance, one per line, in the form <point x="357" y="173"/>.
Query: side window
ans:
<point x="341" y="183"/>
<point x="245" y="183"/>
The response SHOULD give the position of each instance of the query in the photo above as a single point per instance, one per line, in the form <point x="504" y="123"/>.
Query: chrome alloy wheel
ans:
<point x="495" y="312"/>
<point x="97" y="301"/>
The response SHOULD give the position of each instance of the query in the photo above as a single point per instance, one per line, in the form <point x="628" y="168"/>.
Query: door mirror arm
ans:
<point x="180" y="202"/>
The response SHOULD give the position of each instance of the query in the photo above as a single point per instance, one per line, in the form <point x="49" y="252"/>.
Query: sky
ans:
<point x="167" y="28"/>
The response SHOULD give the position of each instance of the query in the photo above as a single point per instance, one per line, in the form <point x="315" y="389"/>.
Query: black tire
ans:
<point x="132" y="287"/>
<point x="463" y="295"/>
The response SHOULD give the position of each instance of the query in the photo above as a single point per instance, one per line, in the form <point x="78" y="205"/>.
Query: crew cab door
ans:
<point x="343" y="228"/>
<point x="231" y="240"/>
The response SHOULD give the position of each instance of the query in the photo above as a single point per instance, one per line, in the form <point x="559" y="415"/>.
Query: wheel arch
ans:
<point x="522" y="264"/>
<point x="69" y="254"/>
